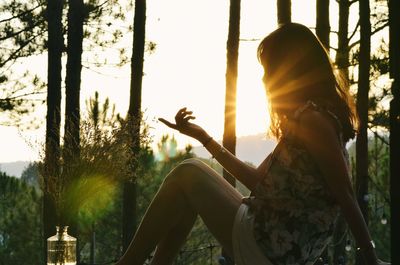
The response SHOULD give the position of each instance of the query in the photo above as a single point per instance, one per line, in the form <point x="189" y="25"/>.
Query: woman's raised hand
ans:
<point x="183" y="124"/>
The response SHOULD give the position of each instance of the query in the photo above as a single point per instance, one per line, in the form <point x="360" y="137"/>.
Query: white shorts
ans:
<point x="245" y="248"/>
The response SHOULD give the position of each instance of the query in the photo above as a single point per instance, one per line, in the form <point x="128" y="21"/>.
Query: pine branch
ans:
<point x="14" y="55"/>
<point x="376" y="30"/>
<point x="383" y="140"/>
<point x="22" y="30"/>
<point x="354" y="31"/>
<point x="20" y="14"/>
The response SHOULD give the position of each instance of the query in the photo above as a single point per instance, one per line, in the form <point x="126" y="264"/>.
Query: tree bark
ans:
<point x="229" y="137"/>
<point x="342" y="63"/>
<point x="342" y="55"/>
<point x="362" y="109"/>
<point x="71" y="150"/>
<point x="323" y="28"/>
<point x="53" y="116"/>
<point x="394" y="57"/>
<point x="284" y="11"/>
<point x="73" y="81"/>
<point x="134" y="117"/>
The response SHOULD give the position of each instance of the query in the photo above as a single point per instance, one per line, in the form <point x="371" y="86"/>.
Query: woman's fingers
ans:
<point x="187" y="118"/>
<point x="180" y="113"/>
<point x="169" y="124"/>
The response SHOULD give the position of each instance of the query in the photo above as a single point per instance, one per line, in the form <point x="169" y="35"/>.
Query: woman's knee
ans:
<point x="189" y="170"/>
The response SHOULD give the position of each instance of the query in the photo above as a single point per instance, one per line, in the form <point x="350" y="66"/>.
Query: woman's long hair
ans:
<point x="297" y="69"/>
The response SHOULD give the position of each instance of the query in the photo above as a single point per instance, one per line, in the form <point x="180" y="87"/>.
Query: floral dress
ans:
<point x="295" y="213"/>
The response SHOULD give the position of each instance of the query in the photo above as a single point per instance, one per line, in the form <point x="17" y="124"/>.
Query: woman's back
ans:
<point x="294" y="211"/>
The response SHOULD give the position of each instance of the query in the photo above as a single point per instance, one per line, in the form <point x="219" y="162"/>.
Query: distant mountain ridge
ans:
<point x="14" y="168"/>
<point x="252" y="148"/>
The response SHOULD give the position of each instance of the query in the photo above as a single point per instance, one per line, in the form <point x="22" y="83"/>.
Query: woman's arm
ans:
<point x="246" y="174"/>
<point x="321" y="140"/>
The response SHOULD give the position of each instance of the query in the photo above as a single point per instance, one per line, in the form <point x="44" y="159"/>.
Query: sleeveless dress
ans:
<point x="291" y="210"/>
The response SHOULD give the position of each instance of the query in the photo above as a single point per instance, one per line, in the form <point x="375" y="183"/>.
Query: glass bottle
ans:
<point x="61" y="248"/>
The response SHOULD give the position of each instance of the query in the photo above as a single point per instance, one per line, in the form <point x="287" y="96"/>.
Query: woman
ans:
<point x="297" y="192"/>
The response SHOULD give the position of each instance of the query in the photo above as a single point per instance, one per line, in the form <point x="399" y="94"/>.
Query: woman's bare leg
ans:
<point x="169" y="246"/>
<point x="191" y="188"/>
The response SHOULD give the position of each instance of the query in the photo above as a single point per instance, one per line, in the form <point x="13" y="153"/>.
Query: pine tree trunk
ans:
<point x="71" y="150"/>
<point x="129" y="214"/>
<point x="362" y="109"/>
<point x="394" y="57"/>
<point x="229" y="138"/>
<point x="322" y="31"/>
<point x="342" y="55"/>
<point x="53" y="117"/>
<point x="323" y="28"/>
<point x="73" y="81"/>
<point x="342" y="62"/>
<point x="284" y="11"/>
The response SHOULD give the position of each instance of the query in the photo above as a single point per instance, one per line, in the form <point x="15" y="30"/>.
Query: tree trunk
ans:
<point x="362" y="109"/>
<point x="342" y="55"/>
<point x="394" y="57"/>
<point x="342" y="62"/>
<point x="322" y="31"/>
<point x="284" y="11"/>
<point x="73" y="81"/>
<point x="229" y="138"/>
<point x="71" y="149"/>
<point x="134" y="117"/>
<point x="53" y="117"/>
<point x="323" y="28"/>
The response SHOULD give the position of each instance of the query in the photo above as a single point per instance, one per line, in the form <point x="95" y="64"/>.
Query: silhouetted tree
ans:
<point x="394" y="53"/>
<point x="71" y="148"/>
<point x="23" y="30"/>
<point x="76" y="18"/>
<point x="362" y="109"/>
<point x="129" y="215"/>
<point x="53" y="118"/>
<point x="342" y="63"/>
<point x="229" y="137"/>
<point x="31" y="175"/>
<point x="323" y="28"/>
<point x="284" y="8"/>
<point x="342" y="54"/>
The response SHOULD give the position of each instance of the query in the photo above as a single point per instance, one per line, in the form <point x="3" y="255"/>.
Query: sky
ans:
<point x="187" y="69"/>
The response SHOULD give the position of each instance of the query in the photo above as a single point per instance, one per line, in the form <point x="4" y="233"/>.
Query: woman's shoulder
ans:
<point x="312" y="106"/>
<point x="319" y="118"/>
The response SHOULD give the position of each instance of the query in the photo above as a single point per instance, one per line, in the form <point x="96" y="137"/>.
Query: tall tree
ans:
<point x="342" y="54"/>
<point x="229" y="137"/>
<point x="362" y="109"/>
<point x="394" y="57"/>
<point x="284" y="9"/>
<point x="134" y="117"/>
<point x="73" y="80"/>
<point x="53" y="118"/>
<point x="342" y="63"/>
<point x="71" y="149"/>
<point x="323" y="28"/>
